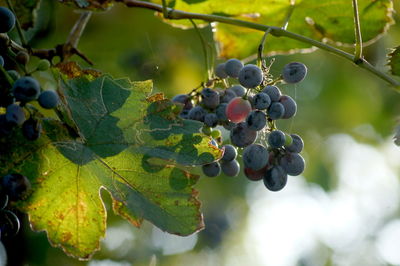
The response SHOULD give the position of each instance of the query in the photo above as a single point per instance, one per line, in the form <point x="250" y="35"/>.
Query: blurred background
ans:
<point x="343" y="210"/>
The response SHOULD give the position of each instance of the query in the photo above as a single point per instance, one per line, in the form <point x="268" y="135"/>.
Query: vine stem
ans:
<point x="358" y="48"/>
<point x="275" y="31"/>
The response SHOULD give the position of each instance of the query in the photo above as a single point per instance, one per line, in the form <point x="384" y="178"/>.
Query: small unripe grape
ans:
<point x="250" y="76"/>
<point x="294" y="72"/>
<point x="238" y="109"/>
<point x="216" y="133"/>
<point x="233" y="67"/>
<point x="43" y="65"/>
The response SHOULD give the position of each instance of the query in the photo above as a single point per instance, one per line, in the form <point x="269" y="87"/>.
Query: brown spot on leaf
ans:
<point x="73" y="70"/>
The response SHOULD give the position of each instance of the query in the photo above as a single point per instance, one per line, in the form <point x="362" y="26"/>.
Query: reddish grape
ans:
<point x="238" y="109"/>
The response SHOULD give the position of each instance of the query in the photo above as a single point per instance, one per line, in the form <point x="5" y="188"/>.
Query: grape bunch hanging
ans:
<point x="249" y="110"/>
<point x="18" y="90"/>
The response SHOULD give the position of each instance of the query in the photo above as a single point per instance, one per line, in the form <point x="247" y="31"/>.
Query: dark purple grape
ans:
<point x="211" y="120"/>
<point x="297" y="144"/>
<point x="276" y="139"/>
<point x="290" y="106"/>
<point x="241" y="136"/>
<point x="275" y="178"/>
<point x="256" y="120"/>
<point x="255" y="156"/>
<point x="26" y="89"/>
<point x="220" y="71"/>
<point x="273" y="92"/>
<point x="15" y="114"/>
<point x="7" y="20"/>
<point x="15" y="186"/>
<point x="230" y="153"/>
<point x="183" y="99"/>
<point x="261" y="101"/>
<point x="276" y="111"/>
<point x="227" y="96"/>
<point x="238" y="90"/>
<point x="212" y="169"/>
<point x="250" y="76"/>
<point x="210" y="98"/>
<point x="221" y="112"/>
<point x="197" y="113"/>
<point x="233" y="67"/>
<point x="31" y="129"/>
<point x="294" y="72"/>
<point x="231" y="168"/>
<point x="293" y="163"/>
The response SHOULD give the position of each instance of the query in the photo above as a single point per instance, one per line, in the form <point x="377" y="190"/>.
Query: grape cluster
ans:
<point x="249" y="110"/>
<point x="16" y="91"/>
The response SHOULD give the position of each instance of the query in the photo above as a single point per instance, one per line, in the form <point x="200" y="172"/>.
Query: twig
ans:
<point x="275" y="31"/>
<point x="357" y="30"/>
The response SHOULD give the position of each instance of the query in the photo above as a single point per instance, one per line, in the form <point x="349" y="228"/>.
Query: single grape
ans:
<point x="216" y="133"/>
<point x="275" y="178"/>
<point x="197" y="113"/>
<point x="293" y="163"/>
<point x="276" y="111"/>
<point x="290" y="106"/>
<point x="22" y="57"/>
<point x="231" y="168"/>
<point x="238" y="109"/>
<point x="43" y="65"/>
<point x="239" y="90"/>
<point x="184" y="114"/>
<point x="227" y="96"/>
<point x="233" y="67"/>
<point x="26" y="89"/>
<point x="212" y="170"/>
<point x="294" y="72"/>
<point x="273" y="92"/>
<point x="220" y="71"/>
<point x="255" y="175"/>
<point x="48" y="99"/>
<point x="211" y="120"/>
<point x="221" y="112"/>
<point x="261" y="101"/>
<point x="15" y="114"/>
<point x="7" y="20"/>
<point x="5" y="126"/>
<point x="1" y="61"/>
<point x="210" y="98"/>
<point x="183" y="99"/>
<point x="256" y="120"/>
<point x="15" y="186"/>
<point x="31" y="129"/>
<point x="250" y="76"/>
<point x="241" y="136"/>
<point x="13" y="74"/>
<point x="230" y="153"/>
<point x="255" y="156"/>
<point x="276" y="139"/>
<point x="297" y="144"/>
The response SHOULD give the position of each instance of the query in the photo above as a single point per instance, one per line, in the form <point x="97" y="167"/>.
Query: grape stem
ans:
<point x="204" y="46"/>
<point x="275" y="31"/>
<point x="357" y="30"/>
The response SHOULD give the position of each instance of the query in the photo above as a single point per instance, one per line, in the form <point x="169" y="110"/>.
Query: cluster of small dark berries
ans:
<point x="17" y="91"/>
<point x="245" y="109"/>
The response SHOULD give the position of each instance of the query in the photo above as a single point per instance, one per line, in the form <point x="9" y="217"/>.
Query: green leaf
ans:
<point x="329" y="20"/>
<point x="128" y="145"/>
<point x="25" y="10"/>
<point x="394" y="61"/>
